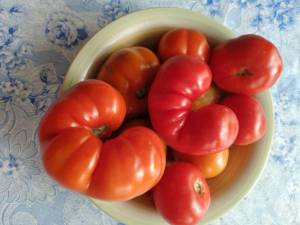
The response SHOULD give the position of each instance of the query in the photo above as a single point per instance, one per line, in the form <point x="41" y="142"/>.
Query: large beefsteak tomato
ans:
<point x="174" y="109"/>
<point x="74" y="154"/>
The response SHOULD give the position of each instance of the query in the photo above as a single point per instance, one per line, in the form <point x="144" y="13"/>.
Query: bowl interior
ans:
<point x="145" y="28"/>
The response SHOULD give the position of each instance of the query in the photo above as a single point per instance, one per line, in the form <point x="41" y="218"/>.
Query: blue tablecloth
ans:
<point x="39" y="39"/>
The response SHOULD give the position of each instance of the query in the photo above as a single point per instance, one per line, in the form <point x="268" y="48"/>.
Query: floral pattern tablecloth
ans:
<point x="38" y="41"/>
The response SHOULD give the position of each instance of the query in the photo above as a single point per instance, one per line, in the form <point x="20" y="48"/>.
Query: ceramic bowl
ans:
<point x="145" y="28"/>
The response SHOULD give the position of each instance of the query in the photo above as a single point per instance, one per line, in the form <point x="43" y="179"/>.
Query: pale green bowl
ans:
<point x="144" y="28"/>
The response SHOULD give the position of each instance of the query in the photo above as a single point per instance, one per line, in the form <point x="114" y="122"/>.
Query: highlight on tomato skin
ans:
<point x="76" y="155"/>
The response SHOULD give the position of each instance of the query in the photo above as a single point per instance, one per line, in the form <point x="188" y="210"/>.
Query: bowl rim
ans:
<point x="120" y="22"/>
<point x="88" y="47"/>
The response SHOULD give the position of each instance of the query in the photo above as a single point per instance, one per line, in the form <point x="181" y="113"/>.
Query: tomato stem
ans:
<point x="243" y="72"/>
<point x="140" y="94"/>
<point x="101" y="131"/>
<point x="198" y="187"/>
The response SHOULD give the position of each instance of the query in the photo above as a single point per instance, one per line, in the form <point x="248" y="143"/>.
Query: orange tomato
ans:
<point x="210" y="165"/>
<point x="131" y="71"/>
<point x="183" y="41"/>
<point x="211" y="96"/>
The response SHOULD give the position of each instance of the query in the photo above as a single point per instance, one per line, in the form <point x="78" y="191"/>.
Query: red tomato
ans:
<point x="210" y="165"/>
<point x="182" y="195"/>
<point x="129" y="165"/>
<point x="248" y="64"/>
<point x="183" y="42"/>
<point x="251" y="116"/>
<point x="180" y="81"/>
<point x="118" y="169"/>
<point x="131" y="71"/>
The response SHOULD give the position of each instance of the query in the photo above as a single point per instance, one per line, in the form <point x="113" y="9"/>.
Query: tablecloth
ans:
<point x="38" y="41"/>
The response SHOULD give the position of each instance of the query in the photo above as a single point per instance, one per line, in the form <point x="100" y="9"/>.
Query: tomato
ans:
<point x="183" y="41"/>
<point x="131" y="71"/>
<point x="75" y="156"/>
<point x="182" y="195"/>
<point x="129" y="165"/>
<point x="210" y="165"/>
<point x="248" y="64"/>
<point x="251" y="116"/>
<point x="210" y="96"/>
<point x="180" y="122"/>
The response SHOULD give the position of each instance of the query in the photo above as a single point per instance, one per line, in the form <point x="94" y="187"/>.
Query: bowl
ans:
<point x="145" y="28"/>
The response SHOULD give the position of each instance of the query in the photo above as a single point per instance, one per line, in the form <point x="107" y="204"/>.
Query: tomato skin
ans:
<point x="139" y="156"/>
<point x="178" y="197"/>
<point x="179" y="82"/>
<point x="248" y="64"/>
<point x="71" y="157"/>
<point x="183" y="41"/>
<point x="82" y="107"/>
<point x="75" y="157"/>
<point x="65" y="131"/>
<point x="210" y="165"/>
<point x="251" y="116"/>
<point x="131" y="71"/>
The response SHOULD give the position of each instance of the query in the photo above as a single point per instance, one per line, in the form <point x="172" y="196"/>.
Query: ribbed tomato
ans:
<point x="73" y="153"/>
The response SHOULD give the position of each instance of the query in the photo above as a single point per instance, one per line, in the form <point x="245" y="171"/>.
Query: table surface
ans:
<point x="38" y="41"/>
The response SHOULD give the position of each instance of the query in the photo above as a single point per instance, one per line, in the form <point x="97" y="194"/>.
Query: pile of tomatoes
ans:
<point x="109" y="137"/>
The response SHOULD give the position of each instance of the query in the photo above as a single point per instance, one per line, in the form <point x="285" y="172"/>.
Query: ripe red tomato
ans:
<point x="73" y="154"/>
<point x="131" y="71"/>
<point x="182" y="195"/>
<point x="129" y="165"/>
<point x="183" y="41"/>
<point x="184" y="126"/>
<point x="251" y="116"/>
<point x="248" y="64"/>
<point x="210" y="165"/>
